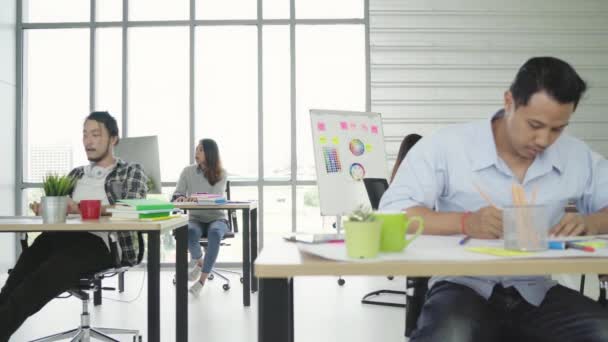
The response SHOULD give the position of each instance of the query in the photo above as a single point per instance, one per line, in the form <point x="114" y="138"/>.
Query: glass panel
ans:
<point x="159" y="9"/>
<point x="226" y="9"/>
<point x="277" y="104"/>
<point x="158" y="93"/>
<point x="308" y="213"/>
<point x="330" y="74"/>
<point x="336" y="9"/>
<point x="108" y="10"/>
<point x="56" y="11"/>
<point x="226" y="95"/>
<point x="276" y="9"/>
<point x="277" y="210"/>
<point x="108" y="73"/>
<point x="56" y="100"/>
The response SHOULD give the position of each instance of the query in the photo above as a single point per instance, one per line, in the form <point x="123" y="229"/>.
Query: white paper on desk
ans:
<point x="445" y="248"/>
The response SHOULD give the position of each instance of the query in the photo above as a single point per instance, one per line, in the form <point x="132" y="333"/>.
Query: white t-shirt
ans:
<point x="92" y="187"/>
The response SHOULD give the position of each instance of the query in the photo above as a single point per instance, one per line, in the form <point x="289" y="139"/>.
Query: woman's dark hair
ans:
<point x="213" y="164"/>
<point x="107" y="120"/>
<point x="408" y="142"/>
<point x="554" y="76"/>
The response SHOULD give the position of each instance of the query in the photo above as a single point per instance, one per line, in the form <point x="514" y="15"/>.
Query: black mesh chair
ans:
<point x="92" y="282"/>
<point x="230" y="234"/>
<point x="415" y="288"/>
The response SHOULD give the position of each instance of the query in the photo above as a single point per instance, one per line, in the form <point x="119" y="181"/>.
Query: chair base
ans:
<point x="218" y="272"/>
<point x="366" y="300"/>
<point x="85" y="334"/>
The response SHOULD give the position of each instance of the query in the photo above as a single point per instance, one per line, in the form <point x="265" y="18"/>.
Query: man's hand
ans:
<point x="486" y="223"/>
<point x="572" y="224"/>
<point x="73" y="207"/>
<point x="36" y="208"/>
<point x="181" y="199"/>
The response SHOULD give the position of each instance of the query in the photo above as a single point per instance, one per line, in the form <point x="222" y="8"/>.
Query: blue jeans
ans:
<point x="454" y="312"/>
<point x="215" y="232"/>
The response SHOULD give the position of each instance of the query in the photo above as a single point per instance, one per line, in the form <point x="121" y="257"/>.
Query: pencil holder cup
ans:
<point x="526" y="227"/>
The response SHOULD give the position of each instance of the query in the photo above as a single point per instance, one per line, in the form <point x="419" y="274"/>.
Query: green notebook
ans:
<point x="143" y="204"/>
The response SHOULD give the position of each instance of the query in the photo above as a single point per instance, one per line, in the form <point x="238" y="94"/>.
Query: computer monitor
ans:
<point x="144" y="151"/>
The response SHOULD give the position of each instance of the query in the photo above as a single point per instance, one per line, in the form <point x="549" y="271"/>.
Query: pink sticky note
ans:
<point x="374" y="129"/>
<point x="321" y="126"/>
<point x="353" y="125"/>
<point x="343" y="125"/>
<point x="364" y="127"/>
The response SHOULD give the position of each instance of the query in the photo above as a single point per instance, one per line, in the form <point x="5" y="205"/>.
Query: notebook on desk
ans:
<point x="314" y="237"/>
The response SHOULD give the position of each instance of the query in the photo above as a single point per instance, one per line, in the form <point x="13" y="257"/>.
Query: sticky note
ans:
<point x="364" y="127"/>
<point x="374" y="129"/>
<point x="343" y="125"/>
<point x="368" y="147"/>
<point x="323" y="140"/>
<point x="353" y="125"/>
<point x="496" y="251"/>
<point x="335" y="140"/>
<point x="321" y="126"/>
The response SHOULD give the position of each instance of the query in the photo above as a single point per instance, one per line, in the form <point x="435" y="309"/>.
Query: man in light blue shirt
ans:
<point x="521" y="144"/>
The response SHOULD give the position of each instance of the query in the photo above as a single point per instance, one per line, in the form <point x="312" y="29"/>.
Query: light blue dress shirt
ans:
<point x="441" y="172"/>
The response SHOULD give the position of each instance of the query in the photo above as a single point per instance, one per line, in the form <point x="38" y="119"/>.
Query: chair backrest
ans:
<point x="144" y="151"/>
<point x="375" y="189"/>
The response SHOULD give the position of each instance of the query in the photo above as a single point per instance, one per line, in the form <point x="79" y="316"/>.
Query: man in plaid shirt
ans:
<point x="56" y="260"/>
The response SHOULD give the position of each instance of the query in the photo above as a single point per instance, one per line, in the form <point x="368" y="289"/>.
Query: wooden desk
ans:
<point x="250" y="239"/>
<point x="280" y="261"/>
<point x="153" y="230"/>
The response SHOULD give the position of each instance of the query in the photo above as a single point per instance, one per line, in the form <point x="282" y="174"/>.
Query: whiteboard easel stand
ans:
<point x="338" y="229"/>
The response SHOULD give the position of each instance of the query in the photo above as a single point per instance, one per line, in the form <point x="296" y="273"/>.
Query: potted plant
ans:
<point x="54" y="203"/>
<point x="362" y="233"/>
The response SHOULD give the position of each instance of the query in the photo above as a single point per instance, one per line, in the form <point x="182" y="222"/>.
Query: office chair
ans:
<point x="230" y="234"/>
<point x="92" y="282"/>
<point x="375" y="188"/>
<point x="415" y="288"/>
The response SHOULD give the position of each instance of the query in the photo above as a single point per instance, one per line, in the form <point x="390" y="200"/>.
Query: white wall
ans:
<point x="436" y="62"/>
<point x="7" y="127"/>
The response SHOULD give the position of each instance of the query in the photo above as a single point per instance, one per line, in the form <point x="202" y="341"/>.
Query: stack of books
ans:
<point x="204" y="198"/>
<point x="134" y="209"/>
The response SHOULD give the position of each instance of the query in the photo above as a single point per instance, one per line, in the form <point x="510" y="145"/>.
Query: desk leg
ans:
<point x="254" y="248"/>
<point x="246" y="259"/>
<point x="181" y="284"/>
<point x="154" y="286"/>
<point x="275" y="310"/>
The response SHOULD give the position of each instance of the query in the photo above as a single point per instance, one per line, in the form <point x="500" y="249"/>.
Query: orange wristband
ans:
<point x="462" y="219"/>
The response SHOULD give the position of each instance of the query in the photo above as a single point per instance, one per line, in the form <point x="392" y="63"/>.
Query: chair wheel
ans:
<point x="174" y="281"/>
<point x="226" y="287"/>
<point x="137" y="338"/>
<point x="391" y="277"/>
<point x="211" y="276"/>
<point x="241" y="280"/>
<point x="341" y="281"/>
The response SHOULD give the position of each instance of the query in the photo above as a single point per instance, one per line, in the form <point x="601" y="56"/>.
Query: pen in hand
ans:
<point x="464" y="240"/>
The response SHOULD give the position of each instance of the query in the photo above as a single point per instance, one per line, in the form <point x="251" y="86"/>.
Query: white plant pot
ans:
<point x="54" y="209"/>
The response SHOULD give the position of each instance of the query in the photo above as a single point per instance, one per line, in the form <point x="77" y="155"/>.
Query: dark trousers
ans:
<point x="50" y="266"/>
<point x="454" y="312"/>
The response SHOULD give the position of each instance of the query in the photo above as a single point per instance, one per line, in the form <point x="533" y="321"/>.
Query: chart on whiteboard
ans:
<point x="348" y="146"/>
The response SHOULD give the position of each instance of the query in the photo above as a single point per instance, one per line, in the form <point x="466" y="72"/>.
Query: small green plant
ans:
<point x="362" y="214"/>
<point x="55" y="185"/>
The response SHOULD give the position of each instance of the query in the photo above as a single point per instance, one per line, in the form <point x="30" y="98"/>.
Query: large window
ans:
<point x="243" y="72"/>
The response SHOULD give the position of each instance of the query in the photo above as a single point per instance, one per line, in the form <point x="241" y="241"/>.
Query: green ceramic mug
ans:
<point x="394" y="230"/>
<point x="362" y="239"/>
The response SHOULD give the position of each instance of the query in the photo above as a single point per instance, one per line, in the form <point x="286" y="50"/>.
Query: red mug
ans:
<point x="90" y="209"/>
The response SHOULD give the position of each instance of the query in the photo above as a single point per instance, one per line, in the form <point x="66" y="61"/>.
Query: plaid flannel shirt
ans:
<point x="126" y="181"/>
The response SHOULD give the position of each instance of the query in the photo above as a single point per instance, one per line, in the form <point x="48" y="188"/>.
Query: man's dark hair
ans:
<point x="107" y="120"/>
<point x="551" y="75"/>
